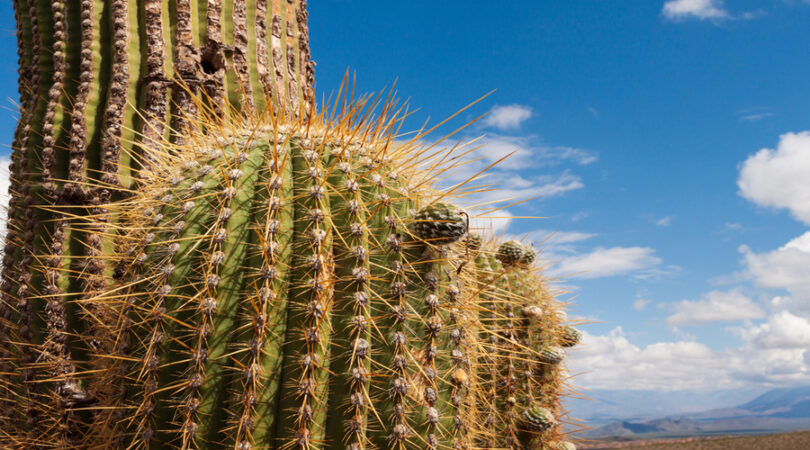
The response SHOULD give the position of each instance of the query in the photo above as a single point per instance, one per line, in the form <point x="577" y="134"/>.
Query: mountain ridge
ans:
<point x="780" y="409"/>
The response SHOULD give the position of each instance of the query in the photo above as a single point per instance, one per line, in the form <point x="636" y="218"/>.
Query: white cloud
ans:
<point x="699" y="9"/>
<point x="491" y="223"/>
<point x="508" y="116"/>
<point x="580" y="216"/>
<point x="507" y="188"/>
<point x="754" y="117"/>
<point x="608" y="262"/>
<point x="578" y="155"/>
<point x="553" y="238"/>
<point x="640" y="304"/>
<point x="787" y="267"/>
<point x="715" y="306"/>
<point x="783" y="330"/>
<point x="778" y="178"/>
<point x="664" y="221"/>
<point x="525" y="153"/>
<point x="609" y="361"/>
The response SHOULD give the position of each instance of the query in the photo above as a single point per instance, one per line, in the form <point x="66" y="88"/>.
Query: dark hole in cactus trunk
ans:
<point x="212" y="60"/>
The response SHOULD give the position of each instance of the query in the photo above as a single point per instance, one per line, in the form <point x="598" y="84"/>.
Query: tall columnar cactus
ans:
<point x="94" y="76"/>
<point x="239" y="270"/>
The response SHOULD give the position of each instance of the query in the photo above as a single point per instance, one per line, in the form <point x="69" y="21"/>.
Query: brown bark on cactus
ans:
<point x="94" y="76"/>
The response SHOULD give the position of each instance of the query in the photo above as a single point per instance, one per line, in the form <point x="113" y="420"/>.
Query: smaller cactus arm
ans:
<point x="233" y="84"/>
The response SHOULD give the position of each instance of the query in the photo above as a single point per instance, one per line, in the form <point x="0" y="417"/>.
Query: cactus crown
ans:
<point x="297" y="283"/>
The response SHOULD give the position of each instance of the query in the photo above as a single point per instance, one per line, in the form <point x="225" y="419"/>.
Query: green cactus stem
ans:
<point x="94" y="77"/>
<point x="222" y="265"/>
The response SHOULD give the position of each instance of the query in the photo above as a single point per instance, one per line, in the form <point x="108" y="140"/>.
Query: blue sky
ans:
<point x="638" y="116"/>
<point x="636" y="125"/>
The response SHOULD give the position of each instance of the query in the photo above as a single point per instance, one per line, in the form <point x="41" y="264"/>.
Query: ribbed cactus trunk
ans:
<point x="199" y="257"/>
<point x="96" y="76"/>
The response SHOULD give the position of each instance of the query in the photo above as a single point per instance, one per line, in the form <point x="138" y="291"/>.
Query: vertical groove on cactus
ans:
<point x="249" y="39"/>
<point x="260" y="40"/>
<point x="117" y="95"/>
<point x="55" y="360"/>
<point x="213" y="58"/>
<point x="240" y="52"/>
<point x="231" y="87"/>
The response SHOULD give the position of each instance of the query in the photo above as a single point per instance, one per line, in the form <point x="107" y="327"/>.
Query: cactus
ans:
<point x="243" y="269"/>
<point x="80" y="64"/>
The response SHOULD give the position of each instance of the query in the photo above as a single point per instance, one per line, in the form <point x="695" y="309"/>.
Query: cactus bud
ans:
<point x="537" y="418"/>
<point x="440" y="224"/>
<point x="510" y="253"/>
<point x="570" y="337"/>
<point x="552" y="355"/>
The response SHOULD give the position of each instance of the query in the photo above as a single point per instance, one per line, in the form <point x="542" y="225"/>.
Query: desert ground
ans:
<point x="799" y="440"/>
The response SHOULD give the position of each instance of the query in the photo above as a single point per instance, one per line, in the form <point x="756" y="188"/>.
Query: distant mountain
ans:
<point x="603" y="406"/>
<point x="775" y="410"/>
<point x="777" y="398"/>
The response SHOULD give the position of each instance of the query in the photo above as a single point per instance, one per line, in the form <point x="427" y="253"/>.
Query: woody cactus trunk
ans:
<point x="199" y="257"/>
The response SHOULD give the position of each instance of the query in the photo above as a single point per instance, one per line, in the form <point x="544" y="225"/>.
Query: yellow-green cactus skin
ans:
<point x="244" y="269"/>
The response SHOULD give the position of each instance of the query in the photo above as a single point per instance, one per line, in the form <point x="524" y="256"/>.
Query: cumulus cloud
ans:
<point x="609" y="361"/>
<point x="715" y="306"/>
<point x="777" y="178"/>
<point x="787" y="267"/>
<point x="608" y="262"/>
<point x="508" y="116"/>
<point x="783" y="330"/>
<point x="698" y="9"/>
